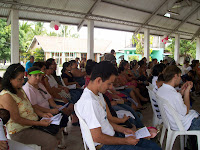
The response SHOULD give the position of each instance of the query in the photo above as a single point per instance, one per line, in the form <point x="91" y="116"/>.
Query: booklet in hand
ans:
<point x="55" y="119"/>
<point x="141" y="133"/>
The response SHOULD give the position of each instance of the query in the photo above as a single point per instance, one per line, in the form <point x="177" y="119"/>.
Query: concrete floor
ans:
<point x="73" y="140"/>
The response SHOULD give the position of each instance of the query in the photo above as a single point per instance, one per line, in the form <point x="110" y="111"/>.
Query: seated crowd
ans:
<point x="109" y="97"/>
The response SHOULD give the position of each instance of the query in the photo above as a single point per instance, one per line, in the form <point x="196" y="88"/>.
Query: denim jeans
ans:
<point x="137" y="122"/>
<point x="75" y="95"/>
<point x="195" y="125"/>
<point x="143" y="144"/>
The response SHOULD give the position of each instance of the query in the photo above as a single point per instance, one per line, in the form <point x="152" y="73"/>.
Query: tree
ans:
<point x="139" y="41"/>
<point x="4" y="40"/>
<point x="187" y="48"/>
<point x="38" y="54"/>
<point x="67" y="32"/>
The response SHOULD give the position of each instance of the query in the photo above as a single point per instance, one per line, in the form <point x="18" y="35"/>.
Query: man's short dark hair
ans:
<point x="104" y="70"/>
<point x="89" y="66"/>
<point x="170" y="72"/>
<point x="157" y="69"/>
<point x="160" y="78"/>
<point x="112" y="51"/>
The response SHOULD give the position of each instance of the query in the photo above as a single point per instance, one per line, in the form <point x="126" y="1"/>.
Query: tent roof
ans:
<point x="125" y="15"/>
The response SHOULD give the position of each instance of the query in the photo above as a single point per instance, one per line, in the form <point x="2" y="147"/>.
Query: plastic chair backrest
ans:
<point x="162" y="103"/>
<point x="86" y="134"/>
<point x="151" y="95"/>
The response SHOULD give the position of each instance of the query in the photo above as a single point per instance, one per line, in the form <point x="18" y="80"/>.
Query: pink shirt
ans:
<point x="36" y="96"/>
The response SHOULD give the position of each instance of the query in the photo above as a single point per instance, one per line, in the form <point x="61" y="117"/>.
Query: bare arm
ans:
<point x="9" y="103"/>
<point x="78" y="73"/>
<point x="70" y="83"/>
<point x="53" y="91"/>
<point x="187" y="95"/>
<point x="99" y="137"/>
<point x="114" y="119"/>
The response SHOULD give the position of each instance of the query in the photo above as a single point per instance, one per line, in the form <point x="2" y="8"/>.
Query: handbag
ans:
<point x="51" y="129"/>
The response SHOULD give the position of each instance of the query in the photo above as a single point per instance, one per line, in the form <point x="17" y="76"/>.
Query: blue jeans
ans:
<point x="195" y="125"/>
<point x="137" y="122"/>
<point x="75" y="95"/>
<point x="143" y="144"/>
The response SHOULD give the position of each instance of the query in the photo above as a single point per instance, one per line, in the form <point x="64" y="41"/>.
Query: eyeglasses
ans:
<point x="20" y="79"/>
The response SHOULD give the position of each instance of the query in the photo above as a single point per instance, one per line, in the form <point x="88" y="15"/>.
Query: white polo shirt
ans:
<point x="92" y="108"/>
<point x="155" y="78"/>
<point x="169" y="93"/>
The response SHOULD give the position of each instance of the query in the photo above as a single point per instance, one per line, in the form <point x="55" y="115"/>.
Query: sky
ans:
<point x="120" y="39"/>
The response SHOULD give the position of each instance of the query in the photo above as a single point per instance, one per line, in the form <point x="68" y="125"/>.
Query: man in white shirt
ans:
<point x="172" y="77"/>
<point x="92" y="109"/>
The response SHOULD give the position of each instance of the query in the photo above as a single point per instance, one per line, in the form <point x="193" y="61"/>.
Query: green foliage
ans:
<point x="26" y="33"/>
<point x="66" y="31"/>
<point x="4" y="40"/>
<point x="38" y="53"/>
<point x="131" y="58"/>
<point x="139" y="41"/>
<point x="186" y="48"/>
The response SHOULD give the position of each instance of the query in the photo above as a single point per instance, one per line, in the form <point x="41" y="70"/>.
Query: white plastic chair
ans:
<point x="156" y="121"/>
<point x="171" y="135"/>
<point x="86" y="134"/>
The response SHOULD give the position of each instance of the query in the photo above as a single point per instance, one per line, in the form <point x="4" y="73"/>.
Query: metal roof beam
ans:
<point x="89" y="12"/>
<point x="9" y="18"/>
<point x="140" y="10"/>
<point x="66" y="13"/>
<point x="195" y="35"/>
<point x="152" y="15"/>
<point x="186" y="18"/>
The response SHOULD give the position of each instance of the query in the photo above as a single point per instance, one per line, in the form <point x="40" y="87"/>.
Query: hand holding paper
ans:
<point x="141" y="133"/>
<point x="55" y="119"/>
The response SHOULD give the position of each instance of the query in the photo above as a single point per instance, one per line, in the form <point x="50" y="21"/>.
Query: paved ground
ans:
<point x="74" y="139"/>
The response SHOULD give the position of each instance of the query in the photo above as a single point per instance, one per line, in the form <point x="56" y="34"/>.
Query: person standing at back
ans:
<point x="29" y="64"/>
<point x="110" y="56"/>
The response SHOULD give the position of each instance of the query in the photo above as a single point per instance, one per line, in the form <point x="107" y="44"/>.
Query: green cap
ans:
<point x="36" y="72"/>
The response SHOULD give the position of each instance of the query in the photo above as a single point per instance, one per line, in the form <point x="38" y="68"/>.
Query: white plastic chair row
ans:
<point x="171" y="135"/>
<point x="156" y="121"/>
<point x="86" y="134"/>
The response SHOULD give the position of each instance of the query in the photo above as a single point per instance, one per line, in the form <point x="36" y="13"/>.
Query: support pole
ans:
<point x="177" y="46"/>
<point x="146" y="44"/>
<point x="198" y="49"/>
<point x="14" y="36"/>
<point x="90" y="40"/>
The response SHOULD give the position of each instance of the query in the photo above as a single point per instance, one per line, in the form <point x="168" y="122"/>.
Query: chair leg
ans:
<point x="162" y="135"/>
<point x="198" y="139"/>
<point x="168" y="141"/>
<point x="173" y="137"/>
<point x="182" y="142"/>
<point x="186" y="137"/>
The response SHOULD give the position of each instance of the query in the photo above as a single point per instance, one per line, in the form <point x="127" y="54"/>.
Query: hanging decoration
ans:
<point x="165" y="39"/>
<point x="55" y="25"/>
